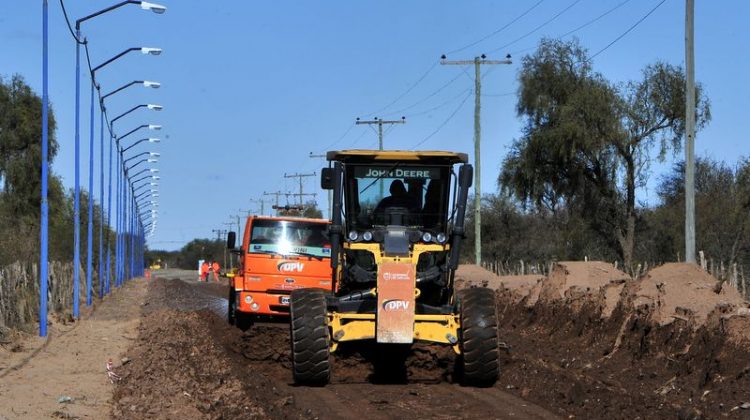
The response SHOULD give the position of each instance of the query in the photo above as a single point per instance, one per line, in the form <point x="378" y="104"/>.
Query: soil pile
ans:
<point x="684" y="291"/>
<point x="470" y="275"/>
<point x="589" y="341"/>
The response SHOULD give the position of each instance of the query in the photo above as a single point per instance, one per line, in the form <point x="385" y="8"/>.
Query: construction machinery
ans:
<point x="277" y="256"/>
<point x="396" y="231"/>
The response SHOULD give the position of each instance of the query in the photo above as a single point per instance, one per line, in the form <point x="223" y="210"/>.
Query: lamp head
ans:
<point x="155" y="177"/>
<point x="154" y="140"/>
<point x="156" y="8"/>
<point x="154" y="107"/>
<point x="154" y="127"/>
<point x="149" y="50"/>
<point x="154" y="170"/>
<point x="152" y="160"/>
<point x="154" y="154"/>
<point x="153" y="85"/>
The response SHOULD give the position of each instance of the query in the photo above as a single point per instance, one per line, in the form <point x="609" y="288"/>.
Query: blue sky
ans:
<point x="251" y="88"/>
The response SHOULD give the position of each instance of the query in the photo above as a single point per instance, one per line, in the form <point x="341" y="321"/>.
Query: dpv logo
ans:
<point x="290" y="267"/>
<point x="395" y="305"/>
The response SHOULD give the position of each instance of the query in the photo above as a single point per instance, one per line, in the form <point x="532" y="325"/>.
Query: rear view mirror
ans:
<point x="465" y="176"/>
<point x="231" y="239"/>
<point x="326" y="178"/>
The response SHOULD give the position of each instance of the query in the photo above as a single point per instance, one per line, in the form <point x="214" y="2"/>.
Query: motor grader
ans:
<point x="396" y="230"/>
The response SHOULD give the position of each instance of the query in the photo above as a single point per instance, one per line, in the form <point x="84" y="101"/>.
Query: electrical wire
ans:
<point x="638" y="22"/>
<point x="586" y="24"/>
<point x="547" y="22"/>
<point x="70" y="27"/>
<point x="435" y="108"/>
<point x="496" y="31"/>
<point x="423" y="100"/>
<point x="424" y="75"/>
<point x="440" y="127"/>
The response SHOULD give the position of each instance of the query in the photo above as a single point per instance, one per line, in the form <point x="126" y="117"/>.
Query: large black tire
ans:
<point x="310" y="337"/>
<point x="232" y="308"/>
<point x="478" y="363"/>
<point x="241" y="320"/>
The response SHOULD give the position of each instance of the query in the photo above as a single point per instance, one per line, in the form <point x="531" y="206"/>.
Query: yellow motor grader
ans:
<point x="396" y="230"/>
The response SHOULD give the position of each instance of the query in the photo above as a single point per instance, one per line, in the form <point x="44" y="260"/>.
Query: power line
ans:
<point x="584" y="25"/>
<point x="435" y="108"/>
<point x="440" y="127"/>
<point x="498" y="30"/>
<point x="70" y="27"/>
<point x="432" y="67"/>
<point x="638" y="22"/>
<point x="547" y="22"/>
<point x="423" y="100"/>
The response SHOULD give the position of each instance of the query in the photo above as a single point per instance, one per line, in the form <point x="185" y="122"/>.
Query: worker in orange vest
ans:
<point x="215" y="267"/>
<point x="204" y="271"/>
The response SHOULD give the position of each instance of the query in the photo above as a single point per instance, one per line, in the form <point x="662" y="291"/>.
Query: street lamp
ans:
<point x="144" y="83"/>
<point x="156" y="8"/>
<point x="89" y="253"/>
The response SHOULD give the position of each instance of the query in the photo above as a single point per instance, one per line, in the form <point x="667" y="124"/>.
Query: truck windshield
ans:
<point x="397" y="194"/>
<point x="289" y="238"/>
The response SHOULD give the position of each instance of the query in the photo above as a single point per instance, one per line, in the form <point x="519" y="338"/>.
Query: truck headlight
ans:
<point x="353" y="235"/>
<point x="367" y="236"/>
<point x="440" y="237"/>
<point x="427" y="237"/>
<point x="248" y="299"/>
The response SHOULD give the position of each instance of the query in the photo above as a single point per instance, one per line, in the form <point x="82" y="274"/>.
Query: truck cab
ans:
<point x="277" y="256"/>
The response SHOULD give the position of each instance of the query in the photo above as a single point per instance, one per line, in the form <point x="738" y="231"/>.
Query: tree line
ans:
<point x="20" y="182"/>
<point x="567" y="185"/>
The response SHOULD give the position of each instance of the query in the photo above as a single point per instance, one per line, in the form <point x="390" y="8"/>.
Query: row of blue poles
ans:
<point x="130" y="223"/>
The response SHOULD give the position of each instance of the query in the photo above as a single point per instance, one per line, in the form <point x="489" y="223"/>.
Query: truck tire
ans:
<point x="478" y="363"/>
<point x="310" y="337"/>
<point x="232" y="308"/>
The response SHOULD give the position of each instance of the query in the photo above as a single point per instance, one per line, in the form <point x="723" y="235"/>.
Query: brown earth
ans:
<point x="190" y="364"/>
<point x="71" y="362"/>
<point x="589" y="342"/>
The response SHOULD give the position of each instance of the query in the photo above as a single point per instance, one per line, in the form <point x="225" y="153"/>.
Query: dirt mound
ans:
<point x="470" y="275"/>
<point x="579" y="283"/>
<point x="593" y="343"/>
<point x="684" y="291"/>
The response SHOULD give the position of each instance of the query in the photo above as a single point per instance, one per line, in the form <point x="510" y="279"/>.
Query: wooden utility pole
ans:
<point x="262" y="203"/>
<point x="689" y="133"/>
<point x="276" y="193"/>
<point x="301" y="192"/>
<point x="330" y="192"/>
<point x="477" y="62"/>
<point x="380" y="122"/>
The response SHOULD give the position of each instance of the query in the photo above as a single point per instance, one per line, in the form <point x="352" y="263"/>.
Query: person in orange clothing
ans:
<point x="215" y="267"/>
<point x="204" y="271"/>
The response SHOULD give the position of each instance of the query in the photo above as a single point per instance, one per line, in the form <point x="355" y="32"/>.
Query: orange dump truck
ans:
<point x="277" y="255"/>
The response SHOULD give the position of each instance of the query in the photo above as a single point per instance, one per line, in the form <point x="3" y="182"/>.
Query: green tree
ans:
<point x="20" y="147"/>
<point x="586" y="143"/>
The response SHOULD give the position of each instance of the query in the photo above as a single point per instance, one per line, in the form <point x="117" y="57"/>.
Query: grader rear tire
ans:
<point x="310" y="337"/>
<point x="479" y="354"/>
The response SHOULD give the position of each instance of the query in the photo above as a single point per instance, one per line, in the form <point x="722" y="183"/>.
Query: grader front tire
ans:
<point x="310" y="337"/>
<point x="479" y="353"/>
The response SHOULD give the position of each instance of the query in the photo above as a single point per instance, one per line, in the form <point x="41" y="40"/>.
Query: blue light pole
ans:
<point x="89" y="244"/>
<point x="109" y="182"/>
<point x="156" y="8"/>
<point x="90" y="230"/>
<point x="44" y="222"/>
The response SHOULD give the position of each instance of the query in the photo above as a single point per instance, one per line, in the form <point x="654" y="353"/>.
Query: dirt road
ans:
<point x="187" y="362"/>
<point x="38" y="381"/>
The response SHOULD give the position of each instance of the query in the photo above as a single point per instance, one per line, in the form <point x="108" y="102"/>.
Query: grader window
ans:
<point x="289" y="238"/>
<point x="397" y="194"/>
